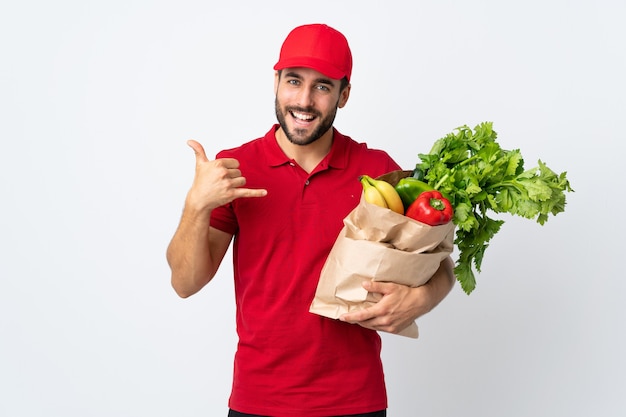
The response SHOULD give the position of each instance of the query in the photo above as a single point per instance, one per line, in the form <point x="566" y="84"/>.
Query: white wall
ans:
<point x="97" y="100"/>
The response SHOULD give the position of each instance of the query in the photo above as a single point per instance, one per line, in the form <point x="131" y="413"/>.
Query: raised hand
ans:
<point x="216" y="182"/>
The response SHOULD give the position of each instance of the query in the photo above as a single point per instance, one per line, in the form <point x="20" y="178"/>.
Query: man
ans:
<point x="281" y="199"/>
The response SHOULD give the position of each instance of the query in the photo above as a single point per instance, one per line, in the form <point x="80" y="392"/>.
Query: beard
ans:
<point x="298" y="136"/>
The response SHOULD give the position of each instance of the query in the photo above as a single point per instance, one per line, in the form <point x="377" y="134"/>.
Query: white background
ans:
<point x="97" y="99"/>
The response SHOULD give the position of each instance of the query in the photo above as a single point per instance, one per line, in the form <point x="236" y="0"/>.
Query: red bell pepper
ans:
<point x="431" y="208"/>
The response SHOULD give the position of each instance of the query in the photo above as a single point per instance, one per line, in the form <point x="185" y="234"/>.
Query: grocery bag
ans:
<point x="379" y="244"/>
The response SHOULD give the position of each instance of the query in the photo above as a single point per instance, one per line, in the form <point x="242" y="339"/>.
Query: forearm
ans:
<point x="440" y="284"/>
<point x="189" y="254"/>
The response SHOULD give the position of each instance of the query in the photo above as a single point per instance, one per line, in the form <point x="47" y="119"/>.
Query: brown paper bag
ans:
<point x="378" y="244"/>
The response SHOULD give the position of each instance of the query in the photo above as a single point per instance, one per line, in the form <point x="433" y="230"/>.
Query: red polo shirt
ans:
<point x="290" y="362"/>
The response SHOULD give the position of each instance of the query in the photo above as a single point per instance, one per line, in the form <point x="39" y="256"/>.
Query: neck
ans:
<point x="306" y="156"/>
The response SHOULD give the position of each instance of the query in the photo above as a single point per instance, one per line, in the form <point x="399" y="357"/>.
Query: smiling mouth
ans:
<point x="302" y="117"/>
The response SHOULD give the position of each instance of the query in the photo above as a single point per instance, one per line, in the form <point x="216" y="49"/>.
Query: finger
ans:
<point x="252" y="192"/>
<point x="378" y="287"/>
<point x="358" y="316"/>
<point x="231" y="164"/>
<point x="198" y="150"/>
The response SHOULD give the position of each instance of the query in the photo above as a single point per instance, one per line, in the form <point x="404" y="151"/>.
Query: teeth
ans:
<point x="302" y="116"/>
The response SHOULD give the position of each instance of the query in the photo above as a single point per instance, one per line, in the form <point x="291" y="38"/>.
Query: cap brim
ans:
<point x="308" y="62"/>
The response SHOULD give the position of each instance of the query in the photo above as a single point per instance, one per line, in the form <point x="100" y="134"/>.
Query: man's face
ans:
<point x="306" y="103"/>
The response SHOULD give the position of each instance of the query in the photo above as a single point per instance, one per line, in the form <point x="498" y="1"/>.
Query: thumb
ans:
<point x="198" y="150"/>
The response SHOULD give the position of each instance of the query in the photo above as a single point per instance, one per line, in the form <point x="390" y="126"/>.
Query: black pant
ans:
<point x="382" y="413"/>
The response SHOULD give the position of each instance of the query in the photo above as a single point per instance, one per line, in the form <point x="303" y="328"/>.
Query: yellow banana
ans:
<point x="371" y="193"/>
<point x="389" y="193"/>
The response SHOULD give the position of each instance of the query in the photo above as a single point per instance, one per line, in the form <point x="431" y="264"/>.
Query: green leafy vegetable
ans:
<point x="479" y="177"/>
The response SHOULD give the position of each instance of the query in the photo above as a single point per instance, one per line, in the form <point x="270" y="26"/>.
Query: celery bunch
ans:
<point x="478" y="177"/>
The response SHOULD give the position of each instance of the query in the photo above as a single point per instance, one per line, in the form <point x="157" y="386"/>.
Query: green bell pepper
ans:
<point x="409" y="188"/>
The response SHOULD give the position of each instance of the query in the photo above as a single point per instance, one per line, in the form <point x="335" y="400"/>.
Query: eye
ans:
<point x="323" y="87"/>
<point x="293" y="81"/>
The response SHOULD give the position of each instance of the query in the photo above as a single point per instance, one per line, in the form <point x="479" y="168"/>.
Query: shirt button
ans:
<point x="306" y="182"/>
<point x="292" y="164"/>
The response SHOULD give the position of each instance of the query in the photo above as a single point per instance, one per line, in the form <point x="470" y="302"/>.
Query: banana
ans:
<point x="371" y="193"/>
<point x="389" y="193"/>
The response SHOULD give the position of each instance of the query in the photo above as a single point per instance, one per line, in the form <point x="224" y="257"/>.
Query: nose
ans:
<point x="305" y="97"/>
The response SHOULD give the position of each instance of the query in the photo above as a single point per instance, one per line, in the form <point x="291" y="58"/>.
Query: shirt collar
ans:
<point x="336" y="158"/>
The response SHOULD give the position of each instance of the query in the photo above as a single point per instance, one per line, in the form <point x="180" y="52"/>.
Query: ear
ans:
<point x="343" y="96"/>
